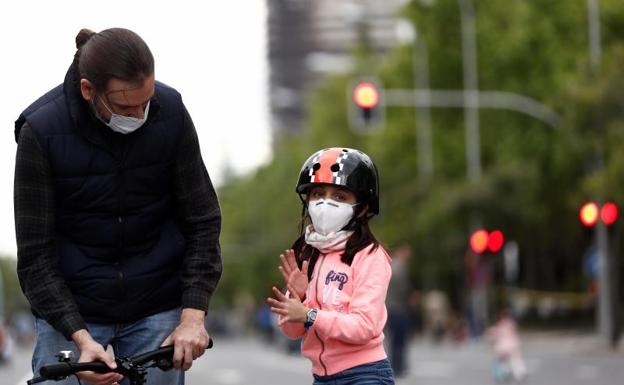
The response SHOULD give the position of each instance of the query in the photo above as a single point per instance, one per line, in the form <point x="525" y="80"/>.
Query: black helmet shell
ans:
<point x="345" y="167"/>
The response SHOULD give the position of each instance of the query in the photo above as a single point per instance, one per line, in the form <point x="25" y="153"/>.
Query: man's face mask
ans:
<point x="329" y="216"/>
<point x="124" y="124"/>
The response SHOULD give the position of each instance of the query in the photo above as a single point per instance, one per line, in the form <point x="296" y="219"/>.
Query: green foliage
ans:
<point x="534" y="177"/>
<point x="14" y="300"/>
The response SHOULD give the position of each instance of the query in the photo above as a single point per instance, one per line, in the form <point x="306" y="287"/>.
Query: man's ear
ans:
<point x="87" y="90"/>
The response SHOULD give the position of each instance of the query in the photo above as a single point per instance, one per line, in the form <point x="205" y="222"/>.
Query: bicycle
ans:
<point x="133" y="368"/>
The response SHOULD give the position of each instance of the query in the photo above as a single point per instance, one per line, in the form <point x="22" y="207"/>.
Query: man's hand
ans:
<point x="90" y="350"/>
<point x="189" y="339"/>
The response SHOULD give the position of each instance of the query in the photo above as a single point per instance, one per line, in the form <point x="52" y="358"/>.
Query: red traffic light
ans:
<point x="481" y="240"/>
<point x="366" y="95"/>
<point x="496" y="241"/>
<point x="589" y="214"/>
<point x="609" y="213"/>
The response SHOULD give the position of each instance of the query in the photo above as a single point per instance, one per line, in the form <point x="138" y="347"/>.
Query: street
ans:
<point x="551" y="359"/>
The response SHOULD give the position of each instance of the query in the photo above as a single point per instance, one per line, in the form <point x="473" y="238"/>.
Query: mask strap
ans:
<point x="105" y="105"/>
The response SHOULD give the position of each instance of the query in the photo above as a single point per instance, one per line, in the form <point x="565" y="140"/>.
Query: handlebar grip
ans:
<point x="64" y="369"/>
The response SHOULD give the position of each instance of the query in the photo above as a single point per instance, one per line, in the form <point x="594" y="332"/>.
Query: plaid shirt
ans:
<point x="199" y="218"/>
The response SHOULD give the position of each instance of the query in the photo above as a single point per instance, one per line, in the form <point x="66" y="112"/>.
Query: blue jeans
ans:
<point x="126" y="340"/>
<point x="375" y="373"/>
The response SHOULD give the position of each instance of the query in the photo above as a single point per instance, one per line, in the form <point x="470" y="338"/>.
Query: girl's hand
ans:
<point x="289" y="309"/>
<point x="294" y="277"/>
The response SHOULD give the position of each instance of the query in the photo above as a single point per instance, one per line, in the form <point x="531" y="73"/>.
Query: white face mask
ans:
<point x="329" y="216"/>
<point x="124" y="124"/>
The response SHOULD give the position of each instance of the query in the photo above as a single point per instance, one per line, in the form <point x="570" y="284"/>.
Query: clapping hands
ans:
<point x="290" y="308"/>
<point x="293" y="276"/>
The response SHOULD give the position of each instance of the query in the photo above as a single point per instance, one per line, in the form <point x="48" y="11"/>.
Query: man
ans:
<point x="116" y="218"/>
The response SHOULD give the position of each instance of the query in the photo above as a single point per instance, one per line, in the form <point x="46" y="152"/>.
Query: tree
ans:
<point x="533" y="176"/>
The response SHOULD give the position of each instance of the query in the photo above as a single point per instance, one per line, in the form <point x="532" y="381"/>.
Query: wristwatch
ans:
<point x="310" y="318"/>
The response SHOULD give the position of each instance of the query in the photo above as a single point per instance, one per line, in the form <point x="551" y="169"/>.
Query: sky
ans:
<point x="213" y="52"/>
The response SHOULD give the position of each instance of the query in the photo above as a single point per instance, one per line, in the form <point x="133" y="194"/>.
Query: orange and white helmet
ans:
<point x="345" y="167"/>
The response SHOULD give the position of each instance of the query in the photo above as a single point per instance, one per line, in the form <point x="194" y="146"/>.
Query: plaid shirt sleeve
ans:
<point x="199" y="217"/>
<point x="37" y="264"/>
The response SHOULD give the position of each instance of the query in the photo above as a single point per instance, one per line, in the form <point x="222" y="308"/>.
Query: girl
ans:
<point x="337" y="274"/>
<point x="509" y="363"/>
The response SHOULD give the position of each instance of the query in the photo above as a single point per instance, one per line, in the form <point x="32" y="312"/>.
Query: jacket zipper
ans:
<point x="121" y="159"/>
<point x="319" y="304"/>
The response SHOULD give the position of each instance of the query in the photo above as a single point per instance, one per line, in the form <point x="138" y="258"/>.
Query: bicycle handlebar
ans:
<point x="65" y="369"/>
<point x="163" y="358"/>
<point x="160" y="353"/>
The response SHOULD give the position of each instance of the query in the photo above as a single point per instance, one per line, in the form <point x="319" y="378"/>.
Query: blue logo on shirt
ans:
<point x="337" y="277"/>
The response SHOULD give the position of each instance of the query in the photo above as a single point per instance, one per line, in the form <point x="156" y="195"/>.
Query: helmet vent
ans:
<point x="316" y="166"/>
<point x="335" y="167"/>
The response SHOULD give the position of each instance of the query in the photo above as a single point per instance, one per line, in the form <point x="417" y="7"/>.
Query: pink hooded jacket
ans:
<point x="348" y="330"/>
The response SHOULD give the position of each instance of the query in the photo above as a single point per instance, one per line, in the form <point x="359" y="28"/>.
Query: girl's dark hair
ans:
<point x="113" y="53"/>
<point x="361" y="238"/>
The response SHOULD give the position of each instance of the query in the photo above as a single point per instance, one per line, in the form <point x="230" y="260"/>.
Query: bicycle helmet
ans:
<point x="346" y="167"/>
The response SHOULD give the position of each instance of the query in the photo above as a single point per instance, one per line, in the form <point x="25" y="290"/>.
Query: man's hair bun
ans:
<point x="83" y="36"/>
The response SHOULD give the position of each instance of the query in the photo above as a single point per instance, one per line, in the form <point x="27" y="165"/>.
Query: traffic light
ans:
<point x="590" y="214"/>
<point x="609" y="213"/>
<point x="495" y="241"/>
<point x="481" y="241"/>
<point x="366" y="105"/>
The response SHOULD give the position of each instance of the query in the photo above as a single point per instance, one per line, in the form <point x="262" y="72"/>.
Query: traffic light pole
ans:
<point x="487" y="99"/>
<point x="604" y="308"/>
<point x="471" y="90"/>
<point x="423" y="113"/>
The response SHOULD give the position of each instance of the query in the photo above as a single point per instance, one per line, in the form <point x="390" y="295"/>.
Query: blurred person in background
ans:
<point x="478" y="273"/>
<point x="4" y="343"/>
<point x="24" y="327"/>
<point x="437" y="315"/>
<point x="508" y="361"/>
<point x="397" y="302"/>
<point x="337" y="273"/>
<point x="117" y="221"/>
<point x="458" y="328"/>
<point x="266" y="321"/>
